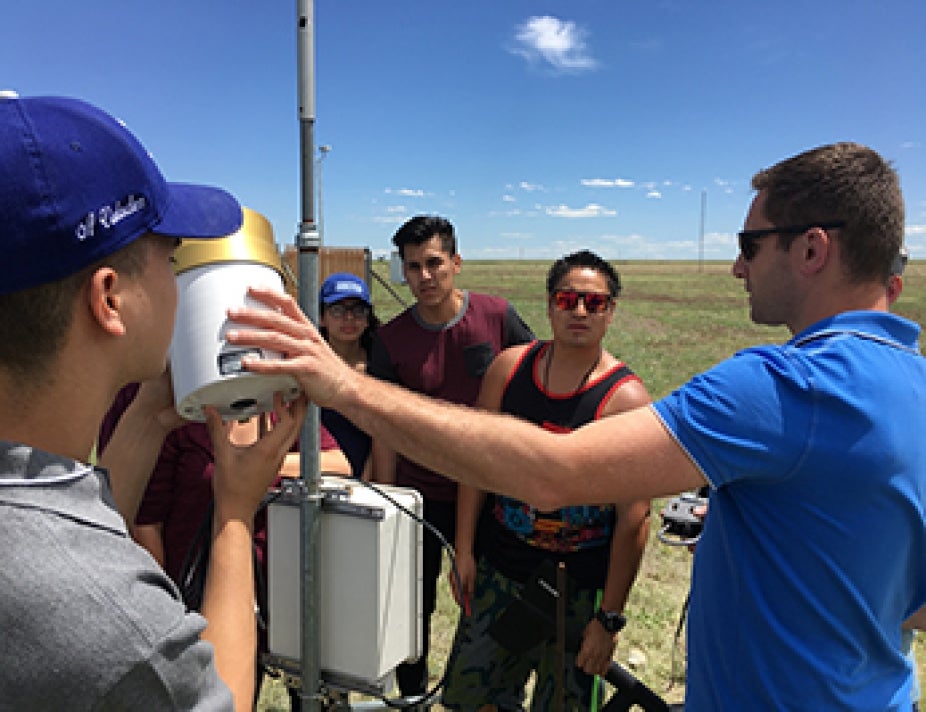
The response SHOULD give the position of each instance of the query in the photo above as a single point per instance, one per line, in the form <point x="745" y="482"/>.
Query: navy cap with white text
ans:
<point x="76" y="186"/>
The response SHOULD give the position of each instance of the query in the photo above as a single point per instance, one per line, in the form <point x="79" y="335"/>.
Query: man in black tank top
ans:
<point x="560" y="385"/>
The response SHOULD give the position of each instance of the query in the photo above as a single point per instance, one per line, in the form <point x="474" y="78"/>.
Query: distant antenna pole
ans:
<point x="308" y="243"/>
<point x="701" y="231"/>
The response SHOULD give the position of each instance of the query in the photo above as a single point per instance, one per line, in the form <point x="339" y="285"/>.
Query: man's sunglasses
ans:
<point x="748" y="239"/>
<point x="568" y="300"/>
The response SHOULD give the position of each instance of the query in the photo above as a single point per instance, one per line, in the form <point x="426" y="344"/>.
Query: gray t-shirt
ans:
<point x="88" y="620"/>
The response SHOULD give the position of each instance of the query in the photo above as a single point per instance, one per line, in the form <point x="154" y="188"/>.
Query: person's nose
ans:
<point x="738" y="269"/>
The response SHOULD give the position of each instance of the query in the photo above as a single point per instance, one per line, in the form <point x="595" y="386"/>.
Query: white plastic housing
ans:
<point x="371" y="581"/>
<point x="206" y="370"/>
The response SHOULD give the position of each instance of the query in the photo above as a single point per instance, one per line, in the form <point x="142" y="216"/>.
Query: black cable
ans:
<point x="393" y="703"/>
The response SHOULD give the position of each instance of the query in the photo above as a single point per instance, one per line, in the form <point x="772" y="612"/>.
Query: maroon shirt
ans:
<point x="445" y="361"/>
<point x="180" y="488"/>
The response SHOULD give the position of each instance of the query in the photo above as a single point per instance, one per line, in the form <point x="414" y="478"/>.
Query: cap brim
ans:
<point x="341" y="297"/>
<point x="199" y="211"/>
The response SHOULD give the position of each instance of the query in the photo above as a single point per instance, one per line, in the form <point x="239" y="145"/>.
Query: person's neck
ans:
<point x="826" y="303"/>
<point x="350" y="351"/>
<point x="443" y="311"/>
<point x="63" y="418"/>
<point x="567" y="368"/>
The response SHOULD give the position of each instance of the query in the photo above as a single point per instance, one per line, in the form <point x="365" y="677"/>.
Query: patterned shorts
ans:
<point x="480" y="671"/>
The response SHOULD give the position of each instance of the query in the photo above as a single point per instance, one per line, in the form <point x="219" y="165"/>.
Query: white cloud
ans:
<point x="726" y="185"/>
<point x="607" y="183"/>
<point x="508" y="199"/>
<point x="529" y="187"/>
<point x="407" y="192"/>
<point x="654" y="194"/>
<point x="395" y="209"/>
<point x="915" y="229"/>
<point x="513" y="213"/>
<point x="592" y="210"/>
<point x="558" y="43"/>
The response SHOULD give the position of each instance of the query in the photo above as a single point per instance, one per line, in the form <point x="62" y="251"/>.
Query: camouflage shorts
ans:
<point x="480" y="671"/>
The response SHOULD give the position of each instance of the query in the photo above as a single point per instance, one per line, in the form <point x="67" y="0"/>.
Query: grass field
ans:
<point x="674" y="319"/>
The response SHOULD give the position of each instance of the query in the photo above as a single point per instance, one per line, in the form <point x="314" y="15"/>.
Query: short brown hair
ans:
<point x="844" y="182"/>
<point x="34" y="322"/>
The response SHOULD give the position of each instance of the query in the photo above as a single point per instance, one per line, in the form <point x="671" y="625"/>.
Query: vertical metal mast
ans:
<point x="308" y="244"/>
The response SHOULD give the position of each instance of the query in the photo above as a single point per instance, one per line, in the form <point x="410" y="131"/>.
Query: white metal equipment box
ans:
<point x="370" y="610"/>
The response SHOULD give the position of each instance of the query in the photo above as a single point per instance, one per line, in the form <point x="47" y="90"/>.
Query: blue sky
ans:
<point x="536" y="127"/>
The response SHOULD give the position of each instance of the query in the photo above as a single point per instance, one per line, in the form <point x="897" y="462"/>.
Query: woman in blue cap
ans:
<point x="347" y="321"/>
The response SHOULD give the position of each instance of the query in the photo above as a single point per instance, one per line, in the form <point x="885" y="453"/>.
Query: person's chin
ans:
<point x="430" y="297"/>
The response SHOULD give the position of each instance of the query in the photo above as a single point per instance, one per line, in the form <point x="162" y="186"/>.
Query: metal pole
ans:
<point x="308" y="244"/>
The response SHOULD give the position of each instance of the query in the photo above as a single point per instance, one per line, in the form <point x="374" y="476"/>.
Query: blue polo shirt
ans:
<point x="814" y="548"/>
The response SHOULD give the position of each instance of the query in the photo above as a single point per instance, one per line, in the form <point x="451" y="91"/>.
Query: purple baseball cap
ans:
<point x="76" y="186"/>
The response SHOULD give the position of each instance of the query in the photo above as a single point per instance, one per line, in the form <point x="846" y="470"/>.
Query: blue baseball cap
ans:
<point x="77" y="186"/>
<point x="344" y="285"/>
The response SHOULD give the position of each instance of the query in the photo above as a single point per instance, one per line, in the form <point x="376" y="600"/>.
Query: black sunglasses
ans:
<point x="748" y="238"/>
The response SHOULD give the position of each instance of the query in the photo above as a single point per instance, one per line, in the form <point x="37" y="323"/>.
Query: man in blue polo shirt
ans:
<point x="814" y="552"/>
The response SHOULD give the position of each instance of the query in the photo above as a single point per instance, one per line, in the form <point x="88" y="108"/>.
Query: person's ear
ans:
<point x="106" y="300"/>
<point x="816" y="248"/>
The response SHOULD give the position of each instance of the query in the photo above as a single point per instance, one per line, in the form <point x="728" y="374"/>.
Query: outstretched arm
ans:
<point x="242" y="476"/>
<point x="623" y="458"/>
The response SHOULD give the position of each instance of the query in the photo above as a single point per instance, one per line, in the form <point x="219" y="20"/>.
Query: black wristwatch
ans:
<point x="611" y="621"/>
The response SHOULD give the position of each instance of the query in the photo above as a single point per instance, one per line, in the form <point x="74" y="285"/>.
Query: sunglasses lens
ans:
<point x="595" y="303"/>
<point x="567" y="301"/>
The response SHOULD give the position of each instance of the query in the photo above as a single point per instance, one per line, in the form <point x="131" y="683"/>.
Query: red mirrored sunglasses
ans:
<point x="568" y="300"/>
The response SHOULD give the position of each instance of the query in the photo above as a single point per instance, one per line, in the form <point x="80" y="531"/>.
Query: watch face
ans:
<point x="612" y="621"/>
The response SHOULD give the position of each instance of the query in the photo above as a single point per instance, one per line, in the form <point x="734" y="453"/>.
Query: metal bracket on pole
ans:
<point x="308" y="237"/>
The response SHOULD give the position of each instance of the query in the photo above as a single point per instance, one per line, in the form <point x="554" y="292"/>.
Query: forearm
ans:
<point x="486" y="450"/>
<point x="628" y="543"/>
<point x="228" y="604"/>
<point x="383" y="461"/>
<point x="367" y="475"/>
<point x="130" y="457"/>
<point x="469" y="504"/>
<point x="334" y="462"/>
<point x="151" y="537"/>
<point x="499" y="453"/>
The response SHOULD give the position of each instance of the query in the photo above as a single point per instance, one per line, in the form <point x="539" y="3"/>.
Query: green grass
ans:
<point x="674" y="320"/>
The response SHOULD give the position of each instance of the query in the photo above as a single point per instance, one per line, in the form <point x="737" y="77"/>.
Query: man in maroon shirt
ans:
<point x="441" y="346"/>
